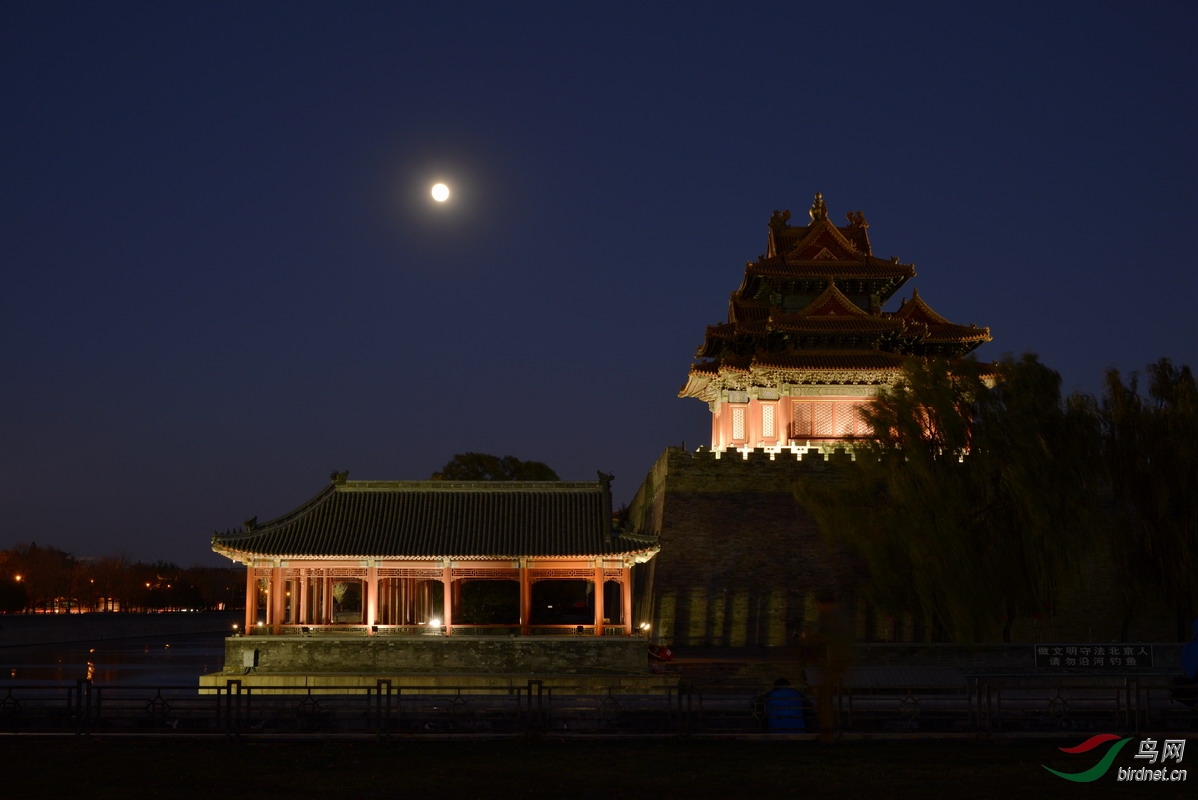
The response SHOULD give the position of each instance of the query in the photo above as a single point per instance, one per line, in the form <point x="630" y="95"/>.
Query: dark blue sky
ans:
<point x="223" y="277"/>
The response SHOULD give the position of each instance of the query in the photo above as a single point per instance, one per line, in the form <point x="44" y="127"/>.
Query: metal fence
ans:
<point x="982" y="708"/>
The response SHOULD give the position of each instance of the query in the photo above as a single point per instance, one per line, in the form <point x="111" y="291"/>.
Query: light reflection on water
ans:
<point x="161" y="661"/>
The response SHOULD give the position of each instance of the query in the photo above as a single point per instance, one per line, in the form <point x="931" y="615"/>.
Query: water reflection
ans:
<point x="164" y="661"/>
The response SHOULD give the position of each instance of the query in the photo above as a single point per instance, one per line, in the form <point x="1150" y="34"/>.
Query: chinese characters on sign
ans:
<point x="1174" y="748"/>
<point x="1094" y="657"/>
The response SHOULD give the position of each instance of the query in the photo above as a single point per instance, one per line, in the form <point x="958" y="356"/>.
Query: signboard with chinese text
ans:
<point x="1117" y="657"/>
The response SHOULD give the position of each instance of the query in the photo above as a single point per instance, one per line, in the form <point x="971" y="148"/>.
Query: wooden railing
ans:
<point x="607" y="629"/>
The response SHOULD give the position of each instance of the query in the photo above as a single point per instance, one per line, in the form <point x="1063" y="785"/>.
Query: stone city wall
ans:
<point x="324" y="654"/>
<point x="741" y="562"/>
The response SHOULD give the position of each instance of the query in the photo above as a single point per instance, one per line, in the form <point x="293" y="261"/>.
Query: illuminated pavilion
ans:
<point x="411" y="549"/>
<point x="807" y="343"/>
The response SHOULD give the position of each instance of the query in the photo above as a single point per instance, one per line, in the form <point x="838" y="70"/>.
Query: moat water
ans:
<point x="156" y="661"/>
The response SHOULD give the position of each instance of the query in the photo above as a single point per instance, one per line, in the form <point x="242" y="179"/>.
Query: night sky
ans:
<point x="224" y="276"/>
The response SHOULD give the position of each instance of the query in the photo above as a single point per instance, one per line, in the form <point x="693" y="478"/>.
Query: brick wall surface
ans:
<point x="373" y="655"/>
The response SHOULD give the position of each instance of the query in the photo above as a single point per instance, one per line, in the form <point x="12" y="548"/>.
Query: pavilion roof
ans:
<point x="422" y="520"/>
<point x="806" y="362"/>
<point x="792" y="266"/>
<point x="939" y="329"/>
<point x="813" y="303"/>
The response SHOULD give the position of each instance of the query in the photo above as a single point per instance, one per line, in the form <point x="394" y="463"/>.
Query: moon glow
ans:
<point x="440" y="192"/>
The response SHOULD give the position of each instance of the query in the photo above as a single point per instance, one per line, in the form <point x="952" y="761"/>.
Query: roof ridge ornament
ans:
<point x="819" y="209"/>
<point x="339" y="478"/>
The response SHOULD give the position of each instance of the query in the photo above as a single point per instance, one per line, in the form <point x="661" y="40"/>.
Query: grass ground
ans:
<point x="98" y="768"/>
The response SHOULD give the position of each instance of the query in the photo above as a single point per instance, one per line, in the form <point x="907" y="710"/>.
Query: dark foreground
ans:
<point x="645" y="769"/>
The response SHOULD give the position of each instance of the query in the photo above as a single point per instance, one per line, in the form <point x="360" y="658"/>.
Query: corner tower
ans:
<point x="807" y="343"/>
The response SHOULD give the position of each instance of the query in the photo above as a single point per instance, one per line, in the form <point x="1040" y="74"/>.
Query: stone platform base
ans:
<point x="355" y="662"/>
<point x="455" y="683"/>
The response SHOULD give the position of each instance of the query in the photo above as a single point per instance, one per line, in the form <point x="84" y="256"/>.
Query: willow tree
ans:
<point x="1151" y="446"/>
<point x="969" y="501"/>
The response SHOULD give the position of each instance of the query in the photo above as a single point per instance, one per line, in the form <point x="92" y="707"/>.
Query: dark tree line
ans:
<point x="36" y="579"/>
<point x="486" y="467"/>
<point x="982" y="489"/>
<point x="1151" y="447"/>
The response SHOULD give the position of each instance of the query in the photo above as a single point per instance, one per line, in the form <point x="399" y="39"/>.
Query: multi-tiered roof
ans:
<point x="809" y="311"/>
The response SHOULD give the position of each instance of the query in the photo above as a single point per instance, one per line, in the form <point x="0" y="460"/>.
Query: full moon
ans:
<point x="440" y="193"/>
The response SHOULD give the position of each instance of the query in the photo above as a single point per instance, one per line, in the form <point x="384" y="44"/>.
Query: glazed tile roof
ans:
<point x="808" y="361"/>
<point x="442" y="519"/>
<point x="814" y="302"/>
<point x="801" y="323"/>
<point x="866" y="268"/>
<point x="939" y="328"/>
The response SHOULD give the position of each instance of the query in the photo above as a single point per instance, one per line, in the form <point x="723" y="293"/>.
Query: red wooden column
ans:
<point x="525" y="600"/>
<point x="626" y="599"/>
<point x="277" y="599"/>
<point x="303" y="617"/>
<point x="447" y="592"/>
<point x="251" y="600"/>
<point x="383" y="614"/>
<point x="372" y="596"/>
<point x="598" y="601"/>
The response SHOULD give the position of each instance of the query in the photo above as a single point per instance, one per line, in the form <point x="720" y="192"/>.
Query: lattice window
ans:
<point x="478" y="573"/>
<point x="824" y="419"/>
<point x="388" y="572"/>
<point x="846" y="419"/>
<point x="861" y="426"/>
<point x="767" y="421"/>
<point x="738" y="424"/>
<point x="556" y="574"/>
<point x="801" y="426"/>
